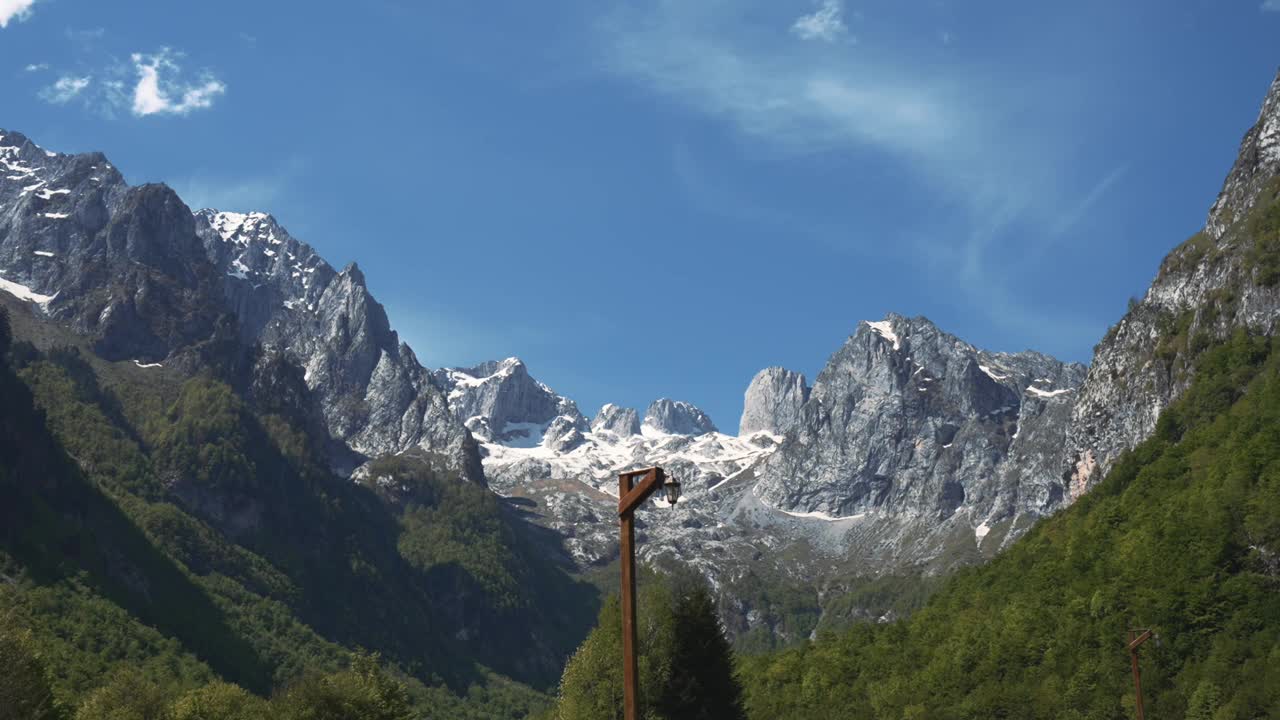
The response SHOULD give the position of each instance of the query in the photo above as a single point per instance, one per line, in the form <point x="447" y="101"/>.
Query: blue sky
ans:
<point x="648" y="199"/>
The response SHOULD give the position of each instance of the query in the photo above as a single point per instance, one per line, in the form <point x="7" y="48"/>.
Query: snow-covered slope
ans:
<point x="535" y="443"/>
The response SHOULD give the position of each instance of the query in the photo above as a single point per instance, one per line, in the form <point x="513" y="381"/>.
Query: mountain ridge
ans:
<point x="910" y="450"/>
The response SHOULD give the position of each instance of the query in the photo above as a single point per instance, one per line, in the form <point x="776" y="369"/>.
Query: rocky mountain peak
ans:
<point x="773" y="401"/>
<point x="621" y="421"/>
<point x="353" y="271"/>
<point x="676" y="417"/>
<point x="1256" y="166"/>
<point x="914" y="426"/>
<point x="498" y="398"/>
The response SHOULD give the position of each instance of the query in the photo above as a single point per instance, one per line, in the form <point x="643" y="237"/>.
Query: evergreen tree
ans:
<point x="702" y="685"/>
<point x="685" y="662"/>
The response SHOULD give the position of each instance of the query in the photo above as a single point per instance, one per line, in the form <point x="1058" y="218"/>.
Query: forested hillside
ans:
<point x="159" y="533"/>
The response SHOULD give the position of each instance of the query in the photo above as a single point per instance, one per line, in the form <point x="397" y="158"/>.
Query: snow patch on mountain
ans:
<point x="22" y="292"/>
<point x="884" y="329"/>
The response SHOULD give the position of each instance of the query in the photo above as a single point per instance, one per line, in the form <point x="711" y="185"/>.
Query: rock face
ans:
<point x="375" y="396"/>
<point x="676" y="417"/>
<point x="122" y="265"/>
<point x="910" y="427"/>
<point x="1221" y="279"/>
<point x="134" y="270"/>
<point x="500" y="402"/>
<point x="773" y="401"/>
<point x="1255" y="168"/>
<point x="620" y="421"/>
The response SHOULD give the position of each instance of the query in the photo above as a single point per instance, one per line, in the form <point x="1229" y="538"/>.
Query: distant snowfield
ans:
<point x="601" y="456"/>
<point x="22" y="292"/>
<point x="1047" y="393"/>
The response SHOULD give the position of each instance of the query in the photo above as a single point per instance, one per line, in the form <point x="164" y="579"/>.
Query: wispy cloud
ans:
<point x="86" y="34"/>
<point x="990" y="160"/>
<point x="1099" y="191"/>
<point x="813" y="103"/>
<point x="1271" y="6"/>
<point x="36" y="67"/>
<point x="14" y="10"/>
<point x="65" y="89"/>
<point x="161" y="89"/>
<point x="240" y="195"/>
<point x="267" y="192"/>
<point x="826" y="23"/>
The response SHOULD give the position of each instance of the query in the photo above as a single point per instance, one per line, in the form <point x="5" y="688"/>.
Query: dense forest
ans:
<point x="161" y="538"/>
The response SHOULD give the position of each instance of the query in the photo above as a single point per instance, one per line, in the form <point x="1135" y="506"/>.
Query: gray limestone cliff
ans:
<point x="620" y="421"/>
<point x="121" y="265"/>
<point x="773" y="401"/>
<point x="677" y="417"/>
<point x="144" y="278"/>
<point x="375" y="395"/>
<point x="908" y="428"/>
<point x="499" y="401"/>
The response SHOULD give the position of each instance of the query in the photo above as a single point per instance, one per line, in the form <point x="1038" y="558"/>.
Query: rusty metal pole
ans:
<point x="631" y="497"/>
<point x="630" y="671"/>
<point x="1135" y="641"/>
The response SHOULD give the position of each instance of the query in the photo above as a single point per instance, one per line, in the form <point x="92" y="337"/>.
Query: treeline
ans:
<point x="365" y="691"/>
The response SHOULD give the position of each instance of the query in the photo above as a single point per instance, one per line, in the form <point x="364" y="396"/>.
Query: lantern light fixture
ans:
<point x="672" y="486"/>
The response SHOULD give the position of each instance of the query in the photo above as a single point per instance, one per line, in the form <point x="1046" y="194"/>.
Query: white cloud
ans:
<point x="826" y="23"/>
<point x="1271" y="5"/>
<point x="982" y="142"/>
<point x="65" y="89"/>
<point x="688" y="51"/>
<point x="14" y="9"/>
<point x="36" y="67"/>
<point x="160" y="89"/>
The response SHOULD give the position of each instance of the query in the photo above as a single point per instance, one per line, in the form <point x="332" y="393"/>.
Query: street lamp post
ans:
<point x="1136" y="638"/>
<point x="631" y="495"/>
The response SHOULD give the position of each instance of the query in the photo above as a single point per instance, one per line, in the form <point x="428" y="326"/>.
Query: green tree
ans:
<point x="1204" y="702"/>
<point x="701" y="683"/>
<point x="591" y="687"/>
<point x="24" y="681"/>
<point x="685" y="662"/>
<point x="364" y="692"/>
<point x="220" y="701"/>
<point x="126" y="696"/>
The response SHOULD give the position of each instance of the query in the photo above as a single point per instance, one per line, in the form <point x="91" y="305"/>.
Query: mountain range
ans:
<point x="911" y="453"/>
